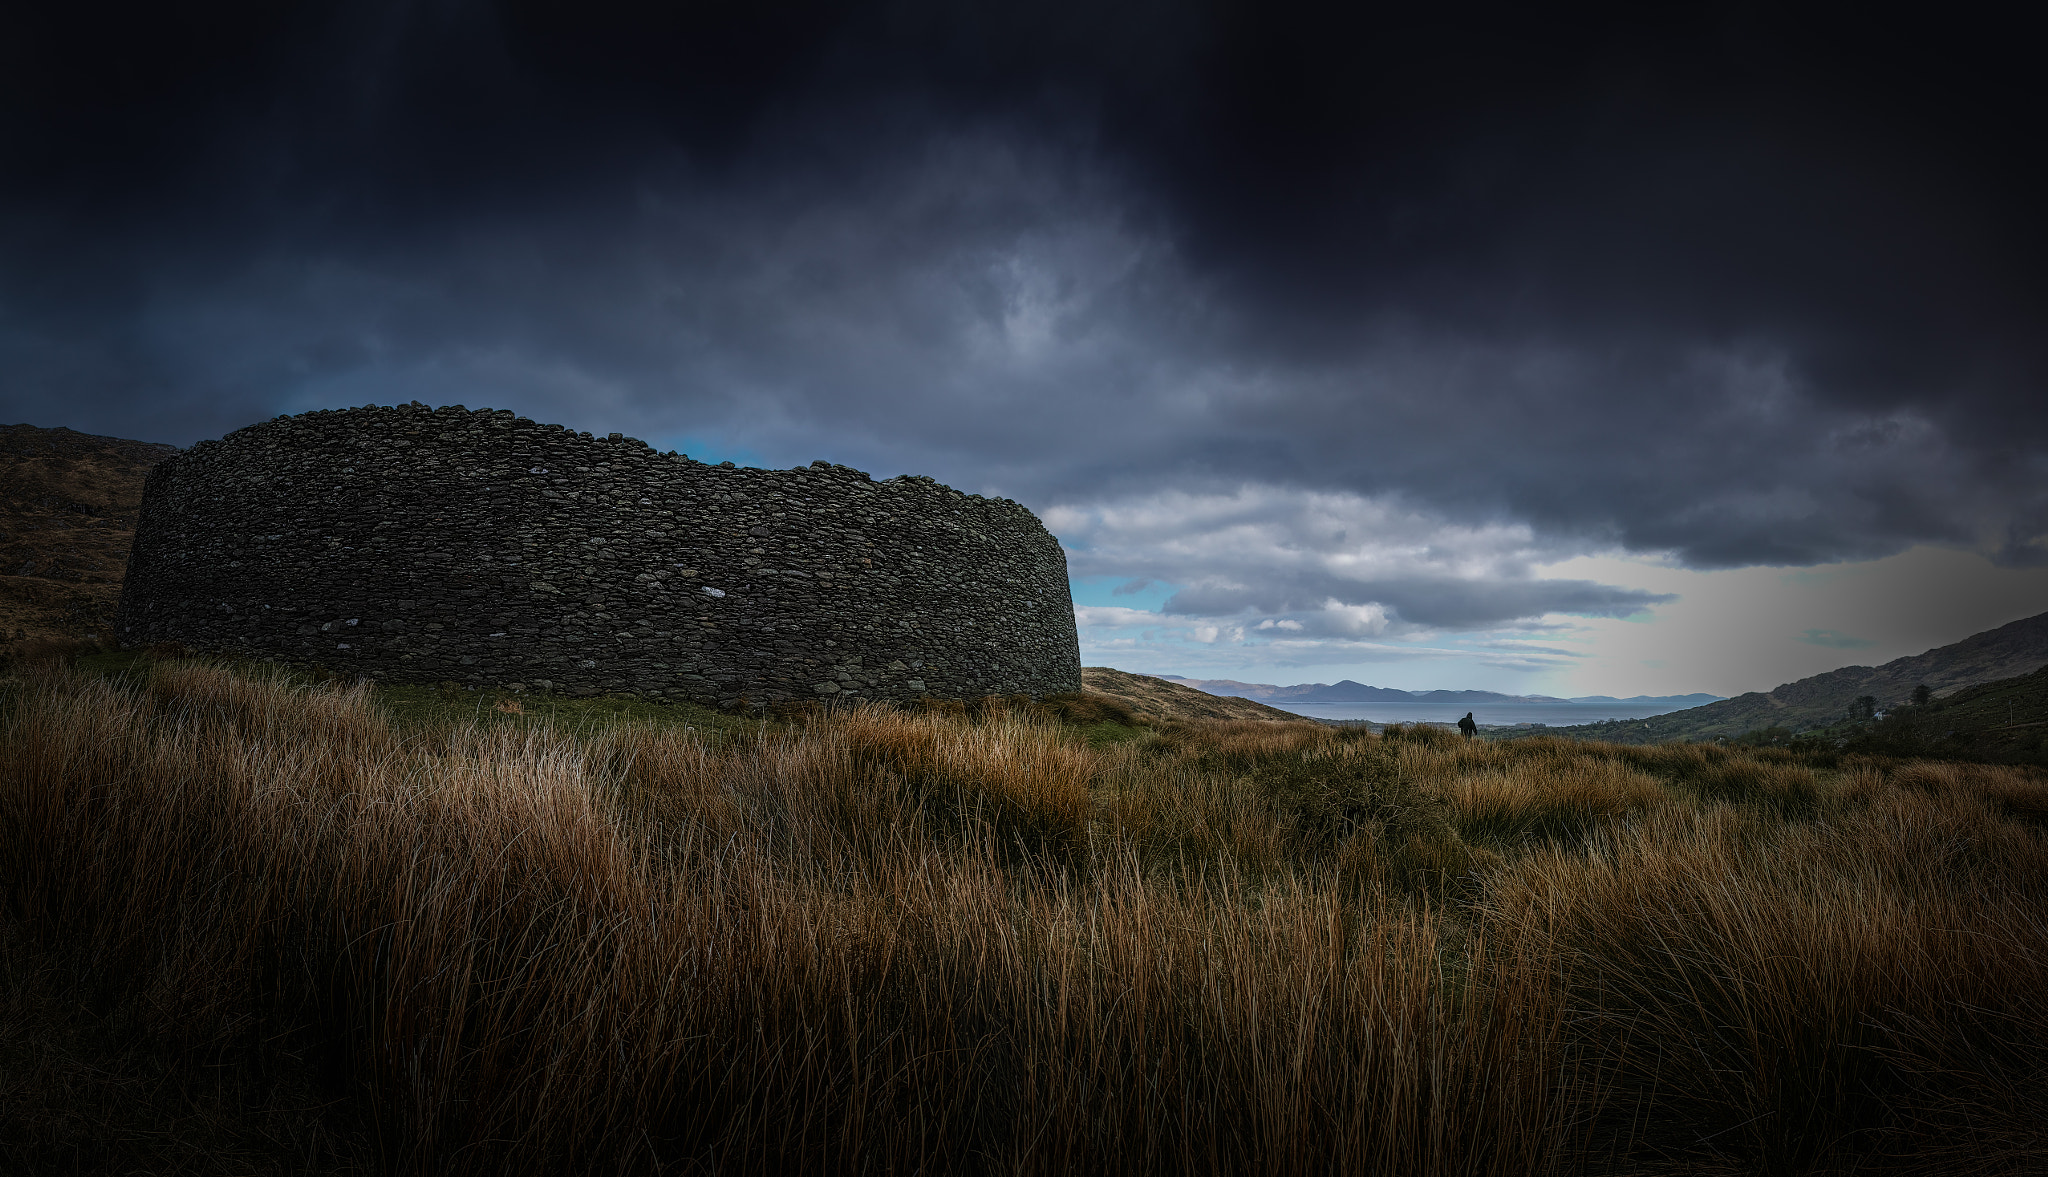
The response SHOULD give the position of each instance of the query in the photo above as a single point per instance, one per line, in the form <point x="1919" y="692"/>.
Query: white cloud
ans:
<point x="1289" y="583"/>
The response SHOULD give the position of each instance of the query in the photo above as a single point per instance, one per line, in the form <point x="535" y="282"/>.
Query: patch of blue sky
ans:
<point x="1121" y="591"/>
<point x="713" y="449"/>
<point x="710" y="450"/>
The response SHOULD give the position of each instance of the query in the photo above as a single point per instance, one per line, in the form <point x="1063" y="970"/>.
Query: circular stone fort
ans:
<point x="411" y="544"/>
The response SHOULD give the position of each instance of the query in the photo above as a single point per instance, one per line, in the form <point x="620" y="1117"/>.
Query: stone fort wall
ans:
<point x="423" y="545"/>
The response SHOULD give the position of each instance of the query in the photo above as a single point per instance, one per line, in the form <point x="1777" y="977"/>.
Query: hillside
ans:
<point x="1824" y="699"/>
<point x="1154" y="698"/>
<point x="67" y="519"/>
<point x="2001" y="722"/>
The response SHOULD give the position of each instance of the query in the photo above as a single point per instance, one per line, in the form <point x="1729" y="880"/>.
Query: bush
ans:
<point x="1356" y="806"/>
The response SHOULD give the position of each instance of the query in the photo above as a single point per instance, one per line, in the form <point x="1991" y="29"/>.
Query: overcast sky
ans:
<point x="1432" y="347"/>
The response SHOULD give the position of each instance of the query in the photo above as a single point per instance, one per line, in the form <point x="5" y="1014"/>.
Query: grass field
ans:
<point x="256" y="924"/>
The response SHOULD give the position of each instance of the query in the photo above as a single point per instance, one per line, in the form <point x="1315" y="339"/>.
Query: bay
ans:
<point x="1495" y="714"/>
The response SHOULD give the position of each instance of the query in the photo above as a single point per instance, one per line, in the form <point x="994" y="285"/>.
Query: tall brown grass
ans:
<point x="877" y="941"/>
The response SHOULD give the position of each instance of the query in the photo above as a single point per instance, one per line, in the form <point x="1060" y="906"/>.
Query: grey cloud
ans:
<point x="1438" y="603"/>
<point x="1331" y="566"/>
<point x="1530" y="650"/>
<point x="1833" y="639"/>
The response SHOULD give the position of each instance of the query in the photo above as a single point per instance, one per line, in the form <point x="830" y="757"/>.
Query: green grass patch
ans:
<point x="1109" y="733"/>
<point x="419" y="707"/>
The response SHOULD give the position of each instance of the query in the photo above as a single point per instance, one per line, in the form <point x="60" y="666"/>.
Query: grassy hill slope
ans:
<point x="1155" y="698"/>
<point x="2002" y="722"/>
<point x="68" y="502"/>
<point x="1824" y="699"/>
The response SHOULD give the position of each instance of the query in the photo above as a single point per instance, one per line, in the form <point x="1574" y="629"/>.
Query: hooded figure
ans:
<point x="1467" y="726"/>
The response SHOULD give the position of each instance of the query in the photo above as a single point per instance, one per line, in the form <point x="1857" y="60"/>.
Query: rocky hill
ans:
<point x="1157" y="699"/>
<point x="68" y="502"/>
<point x="1824" y="699"/>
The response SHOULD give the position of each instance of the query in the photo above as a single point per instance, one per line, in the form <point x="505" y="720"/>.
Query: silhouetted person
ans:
<point x="1467" y="726"/>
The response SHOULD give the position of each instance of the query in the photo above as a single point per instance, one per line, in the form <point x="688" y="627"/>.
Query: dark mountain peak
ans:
<point x="1349" y="691"/>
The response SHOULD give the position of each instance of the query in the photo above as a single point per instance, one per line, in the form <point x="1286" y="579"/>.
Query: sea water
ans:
<point x="1499" y="714"/>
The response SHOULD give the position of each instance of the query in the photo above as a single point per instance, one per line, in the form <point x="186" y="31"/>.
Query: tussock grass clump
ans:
<point x="1507" y="806"/>
<point x="1770" y="778"/>
<point x="979" y="940"/>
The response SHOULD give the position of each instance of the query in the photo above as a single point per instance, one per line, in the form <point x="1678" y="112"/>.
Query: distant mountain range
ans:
<point x="1823" y="700"/>
<point x="1348" y="691"/>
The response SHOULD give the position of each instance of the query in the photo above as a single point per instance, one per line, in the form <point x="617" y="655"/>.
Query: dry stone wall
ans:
<point x="411" y="544"/>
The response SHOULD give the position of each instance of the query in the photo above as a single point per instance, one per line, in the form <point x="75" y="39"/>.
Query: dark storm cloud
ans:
<point x="1746" y="286"/>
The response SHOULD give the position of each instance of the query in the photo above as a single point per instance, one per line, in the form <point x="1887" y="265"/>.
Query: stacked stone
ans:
<point x="411" y="544"/>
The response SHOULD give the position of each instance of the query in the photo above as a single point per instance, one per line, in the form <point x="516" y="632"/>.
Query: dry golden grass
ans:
<point x="878" y="941"/>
